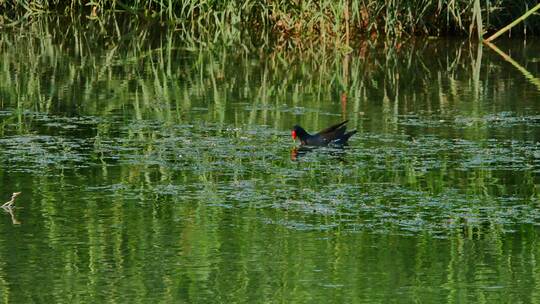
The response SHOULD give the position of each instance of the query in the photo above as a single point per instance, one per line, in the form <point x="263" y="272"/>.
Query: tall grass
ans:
<point x="291" y="23"/>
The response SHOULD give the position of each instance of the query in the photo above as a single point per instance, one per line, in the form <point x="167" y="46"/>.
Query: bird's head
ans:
<point x="296" y="131"/>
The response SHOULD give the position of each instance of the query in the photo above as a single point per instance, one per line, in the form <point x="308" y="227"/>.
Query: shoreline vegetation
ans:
<point x="288" y="24"/>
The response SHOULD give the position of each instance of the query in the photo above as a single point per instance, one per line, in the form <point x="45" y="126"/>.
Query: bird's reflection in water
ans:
<point x="337" y="152"/>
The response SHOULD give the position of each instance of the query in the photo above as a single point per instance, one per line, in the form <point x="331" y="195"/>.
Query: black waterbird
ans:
<point x="335" y="135"/>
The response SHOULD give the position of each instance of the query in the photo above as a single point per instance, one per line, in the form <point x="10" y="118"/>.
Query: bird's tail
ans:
<point x="348" y="135"/>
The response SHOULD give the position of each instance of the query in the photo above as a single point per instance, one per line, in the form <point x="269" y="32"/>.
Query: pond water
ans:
<point x="151" y="171"/>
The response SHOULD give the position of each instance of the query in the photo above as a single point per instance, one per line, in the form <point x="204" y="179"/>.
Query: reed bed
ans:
<point x="290" y="23"/>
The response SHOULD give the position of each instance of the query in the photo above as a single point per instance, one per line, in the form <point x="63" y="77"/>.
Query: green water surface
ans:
<point x="155" y="172"/>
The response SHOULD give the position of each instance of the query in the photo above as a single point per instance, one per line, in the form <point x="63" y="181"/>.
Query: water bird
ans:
<point x="335" y="135"/>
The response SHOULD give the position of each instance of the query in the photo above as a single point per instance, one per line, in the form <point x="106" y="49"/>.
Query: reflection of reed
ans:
<point x="528" y="75"/>
<point x="168" y="83"/>
<point x="9" y="209"/>
<point x="10" y="203"/>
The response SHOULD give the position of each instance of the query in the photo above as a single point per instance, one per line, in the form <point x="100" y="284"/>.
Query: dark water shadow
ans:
<point x="335" y="152"/>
